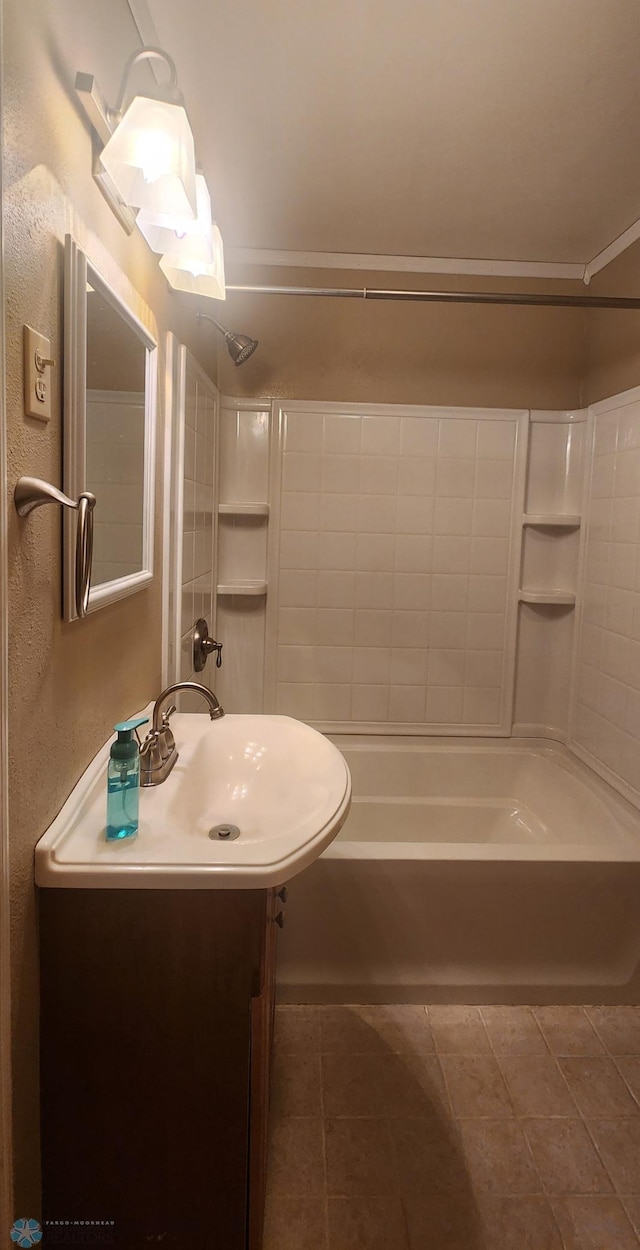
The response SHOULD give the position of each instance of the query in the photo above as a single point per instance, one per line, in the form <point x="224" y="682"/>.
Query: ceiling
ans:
<point x="496" y="129"/>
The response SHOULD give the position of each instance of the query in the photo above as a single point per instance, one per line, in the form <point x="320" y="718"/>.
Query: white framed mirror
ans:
<point x="110" y="389"/>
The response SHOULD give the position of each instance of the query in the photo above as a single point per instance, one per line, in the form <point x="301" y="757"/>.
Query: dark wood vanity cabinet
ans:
<point x="156" y="1029"/>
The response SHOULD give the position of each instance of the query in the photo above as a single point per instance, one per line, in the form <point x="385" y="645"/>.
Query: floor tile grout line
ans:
<point x="629" y="1217"/>
<point x="510" y="1115"/>
<point x="596" y="1031"/>
<point x="612" y="1059"/>
<point x="492" y="1051"/>
<point x="548" y="1043"/>
<point x="323" y="1135"/>
<point x="593" y="1007"/>
<point x="396" y="1160"/>
<point x="447" y="1093"/>
<point x="617" y="1192"/>
<point x="555" y="1059"/>
<point x="615" y="1058"/>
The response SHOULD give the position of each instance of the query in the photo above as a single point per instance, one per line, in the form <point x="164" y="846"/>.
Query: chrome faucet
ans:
<point x="158" y="752"/>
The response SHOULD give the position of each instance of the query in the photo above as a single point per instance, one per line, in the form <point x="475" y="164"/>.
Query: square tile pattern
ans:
<point x="606" y="720"/>
<point x="394" y="560"/>
<point x="455" y="1128"/>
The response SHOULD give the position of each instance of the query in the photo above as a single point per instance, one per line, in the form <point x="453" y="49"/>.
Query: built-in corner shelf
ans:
<point x="244" y="509"/>
<point x="243" y="586"/>
<point x="566" y="597"/>
<point x="553" y="520"/>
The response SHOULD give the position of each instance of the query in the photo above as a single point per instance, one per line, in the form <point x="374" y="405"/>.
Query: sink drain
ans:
<point x="226" y="833"/>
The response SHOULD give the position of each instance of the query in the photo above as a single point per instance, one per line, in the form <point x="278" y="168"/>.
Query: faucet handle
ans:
<point x="151" y="753"/>
<point x="166" y="734"/>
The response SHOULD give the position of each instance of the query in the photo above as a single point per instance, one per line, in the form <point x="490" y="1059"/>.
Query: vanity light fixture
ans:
<point x="148" y="157"/>
<point x="185" y="270"/>
<point x="147" y="163"/>
<point x="165" y="233"/>
<point x="193" y="255"/>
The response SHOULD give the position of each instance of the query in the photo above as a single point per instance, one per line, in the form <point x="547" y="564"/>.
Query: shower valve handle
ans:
<point x="204" y="646"/>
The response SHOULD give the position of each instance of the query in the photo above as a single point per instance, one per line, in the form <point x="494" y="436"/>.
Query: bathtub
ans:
<point x="469" y="871"/>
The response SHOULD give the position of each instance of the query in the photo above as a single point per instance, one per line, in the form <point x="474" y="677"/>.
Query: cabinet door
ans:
<point x="262" y="1017"/>
<point x="146" y="1061"/>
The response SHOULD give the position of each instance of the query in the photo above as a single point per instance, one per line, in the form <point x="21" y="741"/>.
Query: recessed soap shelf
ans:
<point x="562" y="597"/>
<point x="244" y="586"/>
<point x="244" y="509"/>
<point x="553" y="520"/>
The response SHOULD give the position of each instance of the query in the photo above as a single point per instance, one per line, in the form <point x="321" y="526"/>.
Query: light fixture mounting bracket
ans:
<point x="99" y="115"/>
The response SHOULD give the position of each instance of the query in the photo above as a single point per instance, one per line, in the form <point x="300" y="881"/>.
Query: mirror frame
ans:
<point x="78" y="270"/>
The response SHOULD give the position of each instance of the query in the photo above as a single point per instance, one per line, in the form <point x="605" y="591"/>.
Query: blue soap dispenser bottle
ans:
<point x="123" y="782"/>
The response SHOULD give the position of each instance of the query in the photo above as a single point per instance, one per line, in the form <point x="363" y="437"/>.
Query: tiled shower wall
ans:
<point x="606" y="711"/>
<point x="396" y="567"/>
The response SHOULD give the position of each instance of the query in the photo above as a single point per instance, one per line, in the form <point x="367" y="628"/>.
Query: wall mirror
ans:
<point x="110" y="367"/>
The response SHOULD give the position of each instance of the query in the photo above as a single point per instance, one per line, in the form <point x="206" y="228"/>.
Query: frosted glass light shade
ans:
<point x="150" y="158"/>
<point x="197" y="277"/>
<point x="186" y="236"/>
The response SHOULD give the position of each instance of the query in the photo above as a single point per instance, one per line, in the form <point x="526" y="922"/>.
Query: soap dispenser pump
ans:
<point x="123" y="782"/>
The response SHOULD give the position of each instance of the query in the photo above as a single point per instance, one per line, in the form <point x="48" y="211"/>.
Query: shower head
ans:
<point x="239" y="346"/>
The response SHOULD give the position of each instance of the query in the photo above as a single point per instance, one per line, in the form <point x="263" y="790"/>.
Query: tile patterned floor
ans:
<point x="455" y="1128"/>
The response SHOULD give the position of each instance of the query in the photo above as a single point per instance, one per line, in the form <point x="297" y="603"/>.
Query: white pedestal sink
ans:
<point x="285" y="787"/>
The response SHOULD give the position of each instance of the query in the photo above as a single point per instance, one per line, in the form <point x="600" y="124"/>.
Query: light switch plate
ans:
<point x="37" y="380"/>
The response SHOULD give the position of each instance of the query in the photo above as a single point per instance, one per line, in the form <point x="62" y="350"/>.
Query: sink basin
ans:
<point x="284" y="786"/>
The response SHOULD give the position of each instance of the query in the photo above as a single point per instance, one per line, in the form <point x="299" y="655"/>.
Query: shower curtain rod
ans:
<point x="446" y="297"/>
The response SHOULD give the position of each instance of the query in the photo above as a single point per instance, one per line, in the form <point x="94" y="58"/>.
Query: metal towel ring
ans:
<point x="32" y="492"/>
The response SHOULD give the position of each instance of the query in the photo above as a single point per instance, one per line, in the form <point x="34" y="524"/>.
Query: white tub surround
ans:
<point x="417" y="566"/>
<point x="437" y="571"/>
<point x="394" y="564"/>
<point x="605" y="712"/>
<point x="548" y="581"/>
<point x="469" y="871"/>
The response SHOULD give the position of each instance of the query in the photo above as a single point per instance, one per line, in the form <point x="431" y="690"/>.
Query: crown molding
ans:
<point x="404" y="264"/>
<point x="374" y="262"/>
<point x="613" y="250"/>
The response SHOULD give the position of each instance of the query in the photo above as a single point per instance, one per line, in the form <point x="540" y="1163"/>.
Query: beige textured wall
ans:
<point x="69" y="683"/>
<point x="613" y="336"/>
<point x="408" y="353"/>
